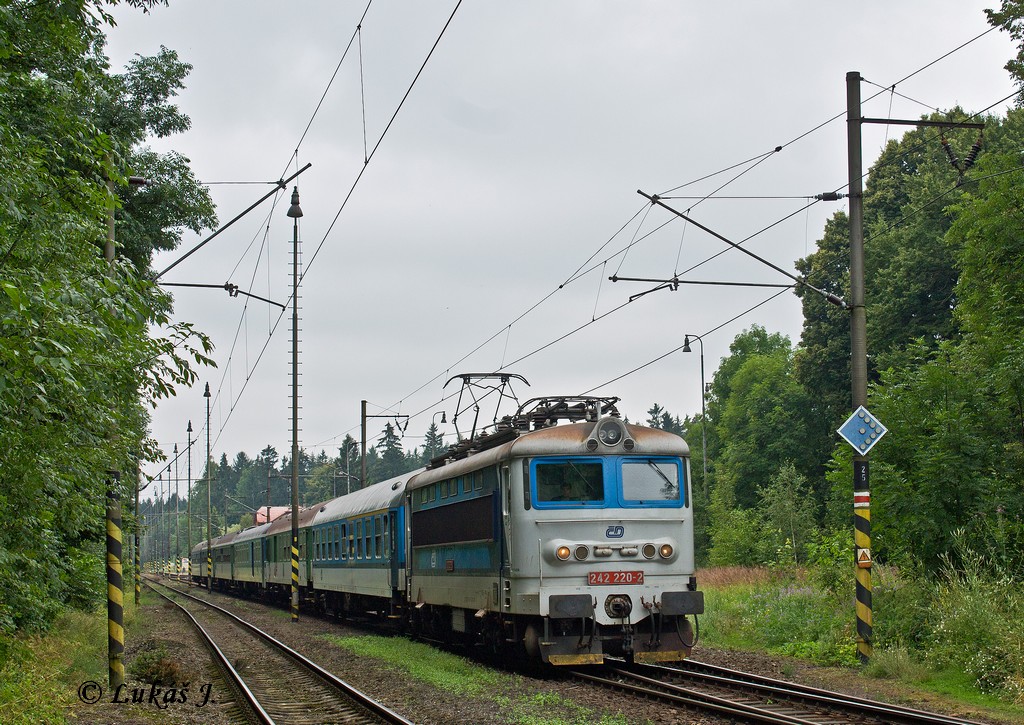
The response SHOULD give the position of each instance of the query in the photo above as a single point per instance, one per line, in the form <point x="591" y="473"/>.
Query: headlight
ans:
<point x="562" y="553"/>
<point x="666" y="551"/>
<point x="649" y="551"/>
<point x="582" y="552"/>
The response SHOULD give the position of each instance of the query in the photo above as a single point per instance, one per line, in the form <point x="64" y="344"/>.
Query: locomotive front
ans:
<point x="600" y="543"/>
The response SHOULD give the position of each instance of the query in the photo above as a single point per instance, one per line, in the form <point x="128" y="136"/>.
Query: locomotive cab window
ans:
<point x="569" y="481"/>
<point x="652" y="481"/>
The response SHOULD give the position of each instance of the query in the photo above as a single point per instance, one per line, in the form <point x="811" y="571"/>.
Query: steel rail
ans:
<point x="375" y="707"/>
<point x="688" y="698"/>
<point x="894" y="713"/>
<point x="235" y="679"/>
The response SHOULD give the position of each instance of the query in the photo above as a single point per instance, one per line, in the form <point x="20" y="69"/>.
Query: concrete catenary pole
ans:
<point x="858" y="362"/>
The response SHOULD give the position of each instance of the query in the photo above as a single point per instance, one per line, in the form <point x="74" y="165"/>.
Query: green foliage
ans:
<point x="1010" y="17"/>
<point x="658" y="417"/>
<point x="433" y="443"/>
<point x="902" y="602"/>
<point x="155" y="665"/>
<point x="422" y="662"/>
<point x="976" y="624"/>
<point x="786" y="617"/>
<point x="88" y="345"/>
<point x="550" y="708"/>
<point x="830" y="555"/>
<point x="822" y="362"/>
<point x="39" y="675"/>
<point x="789" y="514"/>
<point x="459" y="677"/>
<point x="736" y="537"/>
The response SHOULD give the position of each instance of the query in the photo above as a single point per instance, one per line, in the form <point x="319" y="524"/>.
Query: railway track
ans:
<point x="744" y="697"/>
<point x="277" y="684"/>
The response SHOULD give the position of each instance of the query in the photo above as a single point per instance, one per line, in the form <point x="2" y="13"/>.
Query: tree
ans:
<point x="433" y="443"/>
<point x="392" y="457"/>
<point x="822" y="362"/>
<point x="658" y="417"/>
<point x="87" y="345"/>
<point x="1010" y="17"/>
<point x="789" y="513"/>
<point x="762" y="425"/>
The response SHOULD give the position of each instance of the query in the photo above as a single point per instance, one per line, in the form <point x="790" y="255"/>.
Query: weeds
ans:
<point x="959" y="635"/>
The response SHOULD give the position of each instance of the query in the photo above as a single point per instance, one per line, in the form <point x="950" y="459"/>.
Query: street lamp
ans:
<point x="703" y="410"/>
<point x="188" y="505"/>
<point x="209" y="498"/>
<point x="295" y="212"/>
<point x="177" y="535"/>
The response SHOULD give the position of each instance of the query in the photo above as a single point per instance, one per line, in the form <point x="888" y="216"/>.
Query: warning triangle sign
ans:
<point x="864" y="558"/>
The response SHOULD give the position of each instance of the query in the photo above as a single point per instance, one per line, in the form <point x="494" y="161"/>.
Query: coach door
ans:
<point x="503" y="598"/>
<point x="391" y="544"/>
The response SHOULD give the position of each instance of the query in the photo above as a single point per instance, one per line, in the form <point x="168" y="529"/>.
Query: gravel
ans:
<point x="566" y="700"/>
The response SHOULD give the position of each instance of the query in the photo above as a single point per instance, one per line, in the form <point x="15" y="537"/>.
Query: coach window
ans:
<point x="378" y="537"/>
<point x="359" y="539"/>
<point x="368" y="541"/>
<point x="330" y="543"/>
<point x="387" y="534"/>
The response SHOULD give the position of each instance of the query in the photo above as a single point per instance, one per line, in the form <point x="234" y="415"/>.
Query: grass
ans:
<point x="444" y="671"/>
<point x="752" y="611"/>
<point x="552" y="709"/>
<point x="40" y="674"/>
<point x="458" y="676"/>
<point x="958" y="628"/>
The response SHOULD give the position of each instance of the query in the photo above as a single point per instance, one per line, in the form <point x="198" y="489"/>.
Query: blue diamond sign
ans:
<point x="862" y="430"/>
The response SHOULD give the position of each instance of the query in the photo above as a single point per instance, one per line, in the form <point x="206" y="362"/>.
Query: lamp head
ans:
<point x="686" y="344"/>
<point x="295" y="211"/>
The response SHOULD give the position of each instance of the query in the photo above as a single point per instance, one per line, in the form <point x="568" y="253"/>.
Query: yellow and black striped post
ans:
<point x="295" y="577"/>
<point x="138" y="557"/>
<point x="862" y="549"/>
<point x="115" y="593"/>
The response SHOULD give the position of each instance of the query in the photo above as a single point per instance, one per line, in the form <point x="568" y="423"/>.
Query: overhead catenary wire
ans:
<point x="369" y="157"/>
<point x="758" y="159"/>
<point x="680" y="347"/>
<point x="506" y="329"/>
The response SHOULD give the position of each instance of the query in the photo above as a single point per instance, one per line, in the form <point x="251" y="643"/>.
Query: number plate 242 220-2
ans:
<point x="597" y="578"/>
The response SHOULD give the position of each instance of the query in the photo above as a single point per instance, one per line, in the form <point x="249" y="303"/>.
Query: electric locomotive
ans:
<point x="558" y="543"/>
<point x="568" y="542"/>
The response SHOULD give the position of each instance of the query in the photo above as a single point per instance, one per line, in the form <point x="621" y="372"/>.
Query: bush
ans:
<point x="904" y="608"/>
<point x="156" y="666"/>
<point x="788" y="617"/>
<point x="736" y="539"/>
<point x="831" y="560"/>
<point x="977" y="627"/>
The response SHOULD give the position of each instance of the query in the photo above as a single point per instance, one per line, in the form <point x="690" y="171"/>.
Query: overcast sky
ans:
<point x="513" y="164"/>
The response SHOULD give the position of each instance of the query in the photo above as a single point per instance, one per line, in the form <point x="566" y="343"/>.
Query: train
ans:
<point x="562" y="537"/>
